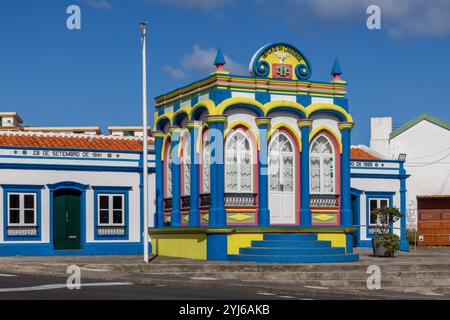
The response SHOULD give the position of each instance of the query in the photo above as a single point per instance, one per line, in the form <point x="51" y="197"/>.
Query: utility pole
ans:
<point x="145" y="139"/>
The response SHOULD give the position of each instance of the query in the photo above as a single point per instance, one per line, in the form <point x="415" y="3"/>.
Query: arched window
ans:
<point x="186" y="158"/>
<point x="206" y="162"/>
<point x="322" y="166"/>
<point x="168" y="169"/>
<point x="238" y="163"/>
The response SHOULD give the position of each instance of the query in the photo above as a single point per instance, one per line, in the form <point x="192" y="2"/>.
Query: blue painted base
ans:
<point x="404" y="245"/>
<point x="216" y="246"/>
<point x="296" y="258"/>
<point x="46" y="249"/>
<point x="293" y="248"/>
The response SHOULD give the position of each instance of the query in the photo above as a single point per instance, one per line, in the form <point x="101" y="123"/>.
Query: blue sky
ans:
<point x="54" y="76"/>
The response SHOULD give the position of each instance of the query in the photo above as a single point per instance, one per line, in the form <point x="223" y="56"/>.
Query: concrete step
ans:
<point x="300" y="276"/>
<point x="233" y="266"/>
<point x="295" y="258"/>
<point x="290" y="243"/>
<point x="289" y="236"/>
<point x="290" y="251"/>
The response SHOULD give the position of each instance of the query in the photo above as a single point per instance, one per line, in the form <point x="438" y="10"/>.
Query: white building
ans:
<point x="425" y="141"/>
<point x="72" y="194"/>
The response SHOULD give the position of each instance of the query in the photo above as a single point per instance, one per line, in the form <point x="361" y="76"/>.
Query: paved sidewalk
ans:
<point x="423" y="274"/>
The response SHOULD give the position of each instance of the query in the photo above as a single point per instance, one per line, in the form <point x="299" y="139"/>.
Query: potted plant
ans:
<point x="385" y="244"/>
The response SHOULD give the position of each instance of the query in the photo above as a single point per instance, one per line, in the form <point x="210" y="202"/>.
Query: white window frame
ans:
<point x="206" y="166"/>
<point x="22" y="209"/>
<point x="378" y="199"/>
<point x="110" y="210"/>
<point x="186" y="191"/>
<point x="168" y="170"/>
<point x="238" y="164"/>
<point x="321" y="157"/>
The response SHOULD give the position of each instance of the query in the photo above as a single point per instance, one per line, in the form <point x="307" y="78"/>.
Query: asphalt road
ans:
<point x="24" y="287"/>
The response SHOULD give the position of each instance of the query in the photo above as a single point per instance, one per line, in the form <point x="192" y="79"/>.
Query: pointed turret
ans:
<point x="219" y="62"/>
<point x="336" y="71"/>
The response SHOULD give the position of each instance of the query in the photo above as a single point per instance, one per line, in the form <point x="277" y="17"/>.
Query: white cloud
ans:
<point x="202" y="60"/>
<point x="399" y="17"/>
<point x="201" y="4"/>
<point x="99" y="4"/>
<point x="174" y="73"/>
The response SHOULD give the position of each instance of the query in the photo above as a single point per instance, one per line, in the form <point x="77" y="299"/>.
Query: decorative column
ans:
<point x="175" y="217"/>
<point x="346" y="211"/>
<point x="194" y="212"/>
<point x="404" y="245"/>
<point x="263" y="124"/>
<point x="217" y="213"/>
<point x="305" y="208"/>
<point x="159" y="217"/>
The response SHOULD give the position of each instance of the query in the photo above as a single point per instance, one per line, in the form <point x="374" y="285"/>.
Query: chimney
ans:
<point x="380" y="129"/>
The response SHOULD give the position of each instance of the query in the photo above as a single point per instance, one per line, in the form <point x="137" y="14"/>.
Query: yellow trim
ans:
<point x="328" y="106"/>
<point x="184" y="110"/>
<point x="269" y="106"/>
<point x="158" y="134"/>
<point x="304" y="123"/>
<point x="164" y="146"/>
<point x="167" y="115"/>
<point x="328" y="129"/>
<point x="237" y="241"/>
<point x="224" y="105"/>
<point x="242" y="123"/>
<point x="183" y="134"/>
<point x="260" y="121"/>
<point x="288" y="127"/>
<point x="216" y="119"/>
<point x="346" y="125"/>
<point x="324" y="210"/>
<point x="200" y="136"/>
<point x="337" y="239"/>
<point x="191" y="246"/>
<point x="231" y="210"/>
<point x="207" y="103"/>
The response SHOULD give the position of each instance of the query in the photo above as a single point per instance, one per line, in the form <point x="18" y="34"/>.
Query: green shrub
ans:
<point x="411" y="236"/>
<point x="386" y="217"/>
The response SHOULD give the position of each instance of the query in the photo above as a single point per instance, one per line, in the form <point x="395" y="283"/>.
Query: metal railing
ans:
<point x="167" y="203"/>
<point x="323" y="200"/>
<point x="205" y="200"/>
<point x="185" y="202"/>
<point x="240" y="199"/>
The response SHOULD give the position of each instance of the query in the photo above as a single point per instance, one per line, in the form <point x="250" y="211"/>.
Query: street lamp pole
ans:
<point x="145" y="139"/>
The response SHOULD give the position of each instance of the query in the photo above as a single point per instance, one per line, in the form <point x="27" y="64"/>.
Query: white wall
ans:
<point x="427" y="147"/>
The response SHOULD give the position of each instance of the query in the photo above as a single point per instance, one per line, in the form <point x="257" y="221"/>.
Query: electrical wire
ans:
<point x="426" y="164"/>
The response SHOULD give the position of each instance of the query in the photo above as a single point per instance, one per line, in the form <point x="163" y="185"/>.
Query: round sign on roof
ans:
<point x="280" y="61"/>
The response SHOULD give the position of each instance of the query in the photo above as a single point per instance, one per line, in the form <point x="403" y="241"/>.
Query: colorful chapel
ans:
<point x="259" y="168"/>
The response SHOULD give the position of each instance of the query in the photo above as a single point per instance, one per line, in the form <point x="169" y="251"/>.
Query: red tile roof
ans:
<point x="360" y="153"/>
<point x="70" y="141"/>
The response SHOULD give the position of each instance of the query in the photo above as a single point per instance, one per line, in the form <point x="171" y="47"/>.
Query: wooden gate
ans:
<point x="433" y="220"/>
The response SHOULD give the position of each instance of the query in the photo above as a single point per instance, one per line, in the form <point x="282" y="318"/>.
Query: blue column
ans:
<point x="194" y="212"/>
<point x="263" y="174"/>
<point x="346" y="210"/>
<point x="159" y="216"/>
<point x="217" y="214"/>
<point x="305" y="208"/>
<point x="175" y="217"/>
<point x="404" y="245"/>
